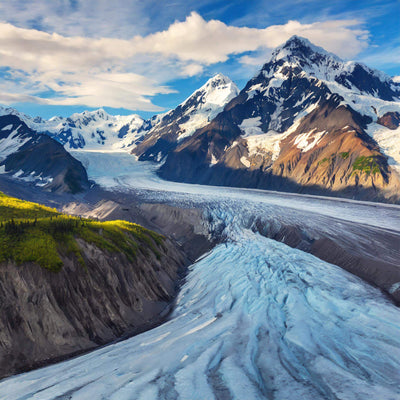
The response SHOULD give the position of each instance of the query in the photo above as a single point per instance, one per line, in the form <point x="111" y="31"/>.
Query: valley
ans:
<point x="308" y="327"/>
<point x="266" y="262"/>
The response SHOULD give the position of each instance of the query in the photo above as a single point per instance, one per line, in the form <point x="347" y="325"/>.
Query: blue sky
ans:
<point x="65" y="56"/>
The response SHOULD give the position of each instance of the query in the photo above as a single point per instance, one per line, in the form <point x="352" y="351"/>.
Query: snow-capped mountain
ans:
<point x="307" y="121"/>
<point x="37" y="158"/>
<point x="90" y="130"/>
<point x="180" y="123"/>
<point x="99" y="131"/>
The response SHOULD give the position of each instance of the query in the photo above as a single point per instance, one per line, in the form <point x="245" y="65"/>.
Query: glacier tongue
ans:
<point x="254" y="320"/>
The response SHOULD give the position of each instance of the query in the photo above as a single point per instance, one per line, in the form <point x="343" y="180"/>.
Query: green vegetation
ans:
<point x="345" y="155"/>
<point x="10" y="207"/>
<point x="367" y="165"/>
<point x="30" y="232"/>
<point x="323" y="161"/>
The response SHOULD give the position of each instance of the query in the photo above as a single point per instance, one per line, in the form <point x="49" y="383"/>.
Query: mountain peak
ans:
<point x="100" y="113"/>
<point x="218" y="90"/>
<point x="219" y="78"/>
<point x="218" y="81"/>
<point x="297" y="47"/>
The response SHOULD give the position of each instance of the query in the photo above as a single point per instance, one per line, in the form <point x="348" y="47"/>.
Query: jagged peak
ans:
<point x="95" y="113"/>
<point x="298" y="47"/>
<point x="219" y="78"/>
<point x="218" y="89"/>
<point x="317" y="61"/>
<point x="217" y="81"/>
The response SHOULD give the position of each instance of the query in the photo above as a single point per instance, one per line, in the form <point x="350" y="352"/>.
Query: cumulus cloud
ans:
<point x="396" y="79"/>
<point x="213" y="41"/>
<point x="104" y="71"/>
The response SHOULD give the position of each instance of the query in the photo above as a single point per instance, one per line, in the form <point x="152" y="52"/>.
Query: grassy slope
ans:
<point x="30" y="232"/>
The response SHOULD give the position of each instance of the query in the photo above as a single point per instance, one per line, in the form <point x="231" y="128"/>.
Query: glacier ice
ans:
<point x="255" y="319"/>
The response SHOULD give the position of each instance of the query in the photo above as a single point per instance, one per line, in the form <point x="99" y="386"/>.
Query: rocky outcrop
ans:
<point x="48" y="316"/>
<point x="390" y="119"/>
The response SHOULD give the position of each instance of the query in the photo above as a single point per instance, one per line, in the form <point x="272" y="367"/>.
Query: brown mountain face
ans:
<point x="328" y="153"/>
<point x="391" y="120"/>
<point x="344" y="158"/>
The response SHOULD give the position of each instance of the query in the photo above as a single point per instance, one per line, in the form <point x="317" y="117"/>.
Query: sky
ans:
<point x="58" y="57"/>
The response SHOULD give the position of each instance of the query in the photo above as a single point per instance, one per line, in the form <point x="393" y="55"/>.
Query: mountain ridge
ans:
<point x="38" y="159"/>
<point x="245" y="144"/>
<point x="182" y="122"/>
<point x="91" y="130"/>
<point x="271" y="134"/>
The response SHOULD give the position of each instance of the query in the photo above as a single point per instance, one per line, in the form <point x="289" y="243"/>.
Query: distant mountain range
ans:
<point x="307" y="122"/>
<point x="90" y="130"/>
<point x="98" y="130"/>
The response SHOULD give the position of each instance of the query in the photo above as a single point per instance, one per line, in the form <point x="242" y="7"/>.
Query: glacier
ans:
<point x="255" y="319"/>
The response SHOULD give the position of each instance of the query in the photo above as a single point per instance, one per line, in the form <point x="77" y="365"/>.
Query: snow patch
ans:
<point x="32" y="177"/>
<point x="245" y="161"/>
<point x="18" y="173"/>
<point x="308" y="140"/>
<point x="11" y="144"/>
<point x="251" y="126"/>
<point x="254" y="90"/>
<point x="269" y="142"/>
<point x="388" y="141"/>
<point x="394" y="288"/>
<point x="213" y="160"/>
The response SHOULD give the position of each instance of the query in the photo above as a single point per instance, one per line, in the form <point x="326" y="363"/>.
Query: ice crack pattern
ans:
<point x="255" y="319"/>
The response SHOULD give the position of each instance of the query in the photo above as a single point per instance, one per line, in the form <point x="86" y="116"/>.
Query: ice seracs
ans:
<point x="255" y="319"/>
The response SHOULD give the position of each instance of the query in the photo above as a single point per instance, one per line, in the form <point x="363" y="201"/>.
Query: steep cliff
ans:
<point x="106" y="280"/>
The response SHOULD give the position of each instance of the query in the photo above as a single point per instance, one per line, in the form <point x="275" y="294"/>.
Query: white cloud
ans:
<point x="104" y="71"/>
<point x="213" y="41"/>
<point x="89" y="18"/>
<point x="192" y="69"/>
<point x="396" y="79"/>
<point x="10" y="98"/>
